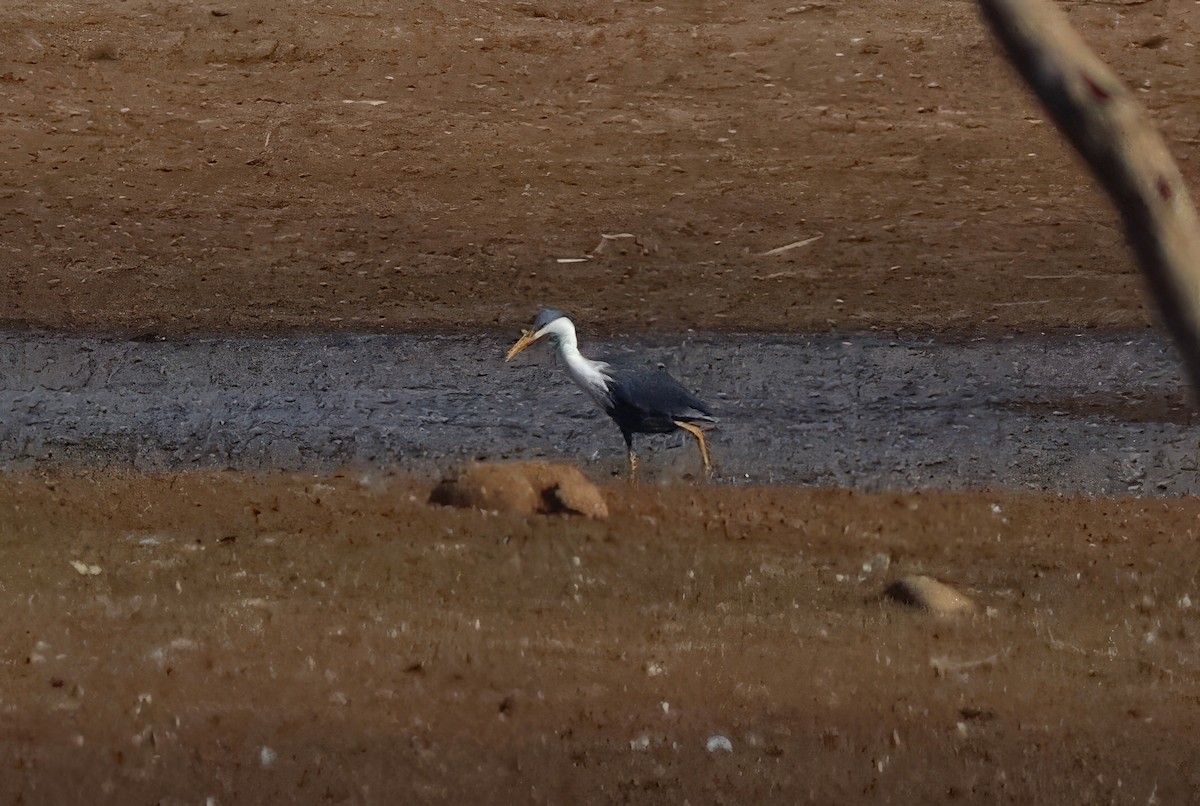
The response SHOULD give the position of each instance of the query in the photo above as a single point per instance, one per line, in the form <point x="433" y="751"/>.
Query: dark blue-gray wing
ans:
<point x="655" y="395"/>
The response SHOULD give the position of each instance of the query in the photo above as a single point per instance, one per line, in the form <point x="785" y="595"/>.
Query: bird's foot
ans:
<point x="698" y="433"/>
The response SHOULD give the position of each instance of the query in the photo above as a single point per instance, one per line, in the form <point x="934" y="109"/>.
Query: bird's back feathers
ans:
<point x="655" y="398"/>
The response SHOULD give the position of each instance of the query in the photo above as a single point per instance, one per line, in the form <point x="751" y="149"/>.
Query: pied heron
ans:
<point x="640" y="401"/>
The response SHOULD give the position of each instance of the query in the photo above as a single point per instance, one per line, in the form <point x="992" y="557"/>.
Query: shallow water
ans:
<point x="1099" y="414"/>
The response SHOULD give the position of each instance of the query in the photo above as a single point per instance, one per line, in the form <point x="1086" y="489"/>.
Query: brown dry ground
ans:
<point x="385" y="649"/>
<point x="361" y="164"/>
<point x="178" y="167"/>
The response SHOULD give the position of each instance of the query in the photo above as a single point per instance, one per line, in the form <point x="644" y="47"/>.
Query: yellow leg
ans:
<point x="633" y="466"/>
<point x="699" y="435"/>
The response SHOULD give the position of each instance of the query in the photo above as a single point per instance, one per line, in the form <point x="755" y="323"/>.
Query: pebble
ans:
<point x="880" y="562"/>
<point x="927" y="593"/>
<point x="719" y="742"/>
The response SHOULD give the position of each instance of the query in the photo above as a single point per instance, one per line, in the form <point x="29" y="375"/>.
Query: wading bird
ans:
<point x="640" y="401"/>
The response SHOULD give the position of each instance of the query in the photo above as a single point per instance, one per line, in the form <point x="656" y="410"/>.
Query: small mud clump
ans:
<point x="529" y="488"/>
<point x="927" y="593"/>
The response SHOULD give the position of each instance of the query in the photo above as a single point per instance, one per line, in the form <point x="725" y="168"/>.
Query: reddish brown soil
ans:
<point x="177" y="167"/>
<point x="383" y="647"/>
<point x="261" y="165"/>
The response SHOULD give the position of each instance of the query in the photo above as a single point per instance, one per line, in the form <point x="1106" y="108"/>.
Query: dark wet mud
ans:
<point x="1093" y="413"/>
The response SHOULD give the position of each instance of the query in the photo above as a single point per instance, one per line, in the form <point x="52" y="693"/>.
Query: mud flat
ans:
<point x="1088" y="412"/>
<point x="225" y="636"/>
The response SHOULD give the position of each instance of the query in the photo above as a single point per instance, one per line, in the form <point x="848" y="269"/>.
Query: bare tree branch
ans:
<point x="1106" y="126"/>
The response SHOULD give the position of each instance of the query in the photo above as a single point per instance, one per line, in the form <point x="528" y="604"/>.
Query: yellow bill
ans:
<point x="528" y="337"/>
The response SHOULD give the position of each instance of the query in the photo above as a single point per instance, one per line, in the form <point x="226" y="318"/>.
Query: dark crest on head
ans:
<point x="545" y="316"/>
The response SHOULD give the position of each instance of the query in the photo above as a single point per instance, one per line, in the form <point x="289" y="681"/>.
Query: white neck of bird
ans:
<point x="588" y="375"/>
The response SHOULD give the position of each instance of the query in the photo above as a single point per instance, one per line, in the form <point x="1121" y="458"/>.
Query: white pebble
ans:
<point x="267" y="756"/>
<point x="880" y="562"/>
<point x="640" y="743"/>
<point x="718" y="742"/>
